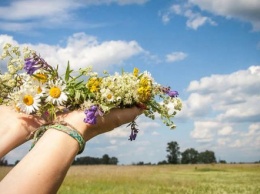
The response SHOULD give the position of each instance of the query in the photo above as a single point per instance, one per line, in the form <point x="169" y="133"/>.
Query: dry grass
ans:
<point x="166" y="179"/>
<point x="195" y="179"/>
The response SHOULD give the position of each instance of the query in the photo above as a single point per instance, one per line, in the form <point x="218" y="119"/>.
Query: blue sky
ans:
<point x="207" y="50"/>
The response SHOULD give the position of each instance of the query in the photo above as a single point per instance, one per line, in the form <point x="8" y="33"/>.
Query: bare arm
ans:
<point x="43" y="169"/>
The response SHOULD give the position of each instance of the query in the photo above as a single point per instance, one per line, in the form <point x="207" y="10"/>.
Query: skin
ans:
<point x="44" y="168"/>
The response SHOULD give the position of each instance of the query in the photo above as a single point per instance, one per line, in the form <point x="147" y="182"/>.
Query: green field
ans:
<point x="166" y="179"/>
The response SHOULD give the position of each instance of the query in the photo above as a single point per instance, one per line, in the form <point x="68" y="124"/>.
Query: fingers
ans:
<point x="118" y="117"/>
<point x="105" y="123"/>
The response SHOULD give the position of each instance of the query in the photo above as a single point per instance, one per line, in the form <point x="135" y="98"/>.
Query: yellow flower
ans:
<point x="135" y="72"/>
<point x="41" y="77"/>
<point x="145" y="89"/>
<point x="93" y="84"/>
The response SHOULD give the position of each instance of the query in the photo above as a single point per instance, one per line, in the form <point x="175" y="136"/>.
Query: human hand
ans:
<point x="13" y="121"/>
<point x="115" y="118"/>
<point x="15" y="128"/>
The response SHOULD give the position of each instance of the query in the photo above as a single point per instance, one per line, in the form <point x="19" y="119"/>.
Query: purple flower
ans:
<point x="34" y="63"/>
<point x="173" y="93"/>
<point x="133" y="134"/>
<point x="31" y="65"/>
<point x="91" y="115"/>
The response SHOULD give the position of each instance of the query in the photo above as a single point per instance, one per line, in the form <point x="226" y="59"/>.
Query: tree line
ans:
<point x="174" y="156"/>
<point x="189" y="156"/>
<point x="87" y="160"/>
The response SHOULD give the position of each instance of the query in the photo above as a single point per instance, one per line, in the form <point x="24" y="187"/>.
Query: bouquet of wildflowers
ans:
<point x="32" y="86"/>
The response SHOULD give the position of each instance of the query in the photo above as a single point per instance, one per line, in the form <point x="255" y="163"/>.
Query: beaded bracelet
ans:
<point x="60" y="127"/>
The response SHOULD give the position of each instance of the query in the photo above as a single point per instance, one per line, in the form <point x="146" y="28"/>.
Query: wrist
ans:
<point x="64" y="127"/>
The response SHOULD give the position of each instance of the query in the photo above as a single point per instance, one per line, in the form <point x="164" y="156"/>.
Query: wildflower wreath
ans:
<point x="40" y="90"/>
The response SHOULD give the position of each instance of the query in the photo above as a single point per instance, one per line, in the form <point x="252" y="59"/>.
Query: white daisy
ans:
<point x="55" y="93"/>
<point x="28" y="102"/>
<point x="107" y="95"/>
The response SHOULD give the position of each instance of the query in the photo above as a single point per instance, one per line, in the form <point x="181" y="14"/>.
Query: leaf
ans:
<point x="77" y="95"/>
<point x="68" y="72"/>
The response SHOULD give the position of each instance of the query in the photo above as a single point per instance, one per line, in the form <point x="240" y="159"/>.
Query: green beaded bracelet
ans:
<point x="60" y="127"/>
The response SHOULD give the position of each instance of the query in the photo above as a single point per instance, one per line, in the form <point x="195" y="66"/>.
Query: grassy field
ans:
<point x="167" y="179"/>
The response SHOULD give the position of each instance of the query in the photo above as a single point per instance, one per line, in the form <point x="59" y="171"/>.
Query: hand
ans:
<point x="12" y="120"/>
<point x="15" y="128"/>
<point x="115" y="118"/>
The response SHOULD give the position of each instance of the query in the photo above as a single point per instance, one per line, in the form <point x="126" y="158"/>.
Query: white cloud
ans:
<point x="4" y="38"/>
<point x="26" y="9"/>
<point x="175" y="56"/>
<point x="28" y="15"/>
<point x="52" y="9"/>
<point x="233" y="95"/>
<point x="243" y="9"/>
<point x="194" y="19"/>
<point x="83" y="50"/>
<point x="224" y="110"/>
<point x="120" y="132"/>
<point x="197" y="105"/>
<point x="204" y="130"/>
<point x="223" y="141"/>
<point x="127" y="2"/>
<point x="227" y="130"/>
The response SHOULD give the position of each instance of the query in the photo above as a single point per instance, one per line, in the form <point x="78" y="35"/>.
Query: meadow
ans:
<point x="161" y="179"/>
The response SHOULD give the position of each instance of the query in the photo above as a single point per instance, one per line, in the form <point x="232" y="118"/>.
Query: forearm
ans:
<point x="43" y="169"/>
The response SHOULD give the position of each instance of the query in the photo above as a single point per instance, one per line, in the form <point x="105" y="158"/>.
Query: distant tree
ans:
<point x="87" y="160"/>
<point x="222" y="161"/>
<point x="190" y="156"/>
<point x="113" y="160"/>
<point x="3" y="162"/>
<point x="207" y="157"/>
<point x="174" y="152"/>
<point x="162" y="162"/>
<point x="140" y="163"/>
<point x="105" y="159"/>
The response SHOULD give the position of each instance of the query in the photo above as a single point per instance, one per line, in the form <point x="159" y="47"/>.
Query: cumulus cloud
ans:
<point x="52" y="13"/>
<point x="194" y="19"/>
<point x="224" y="109"/>
<point x="243" y="9"/>
<point x="18" y="10"/>
<point x="175" y="56"/>
<point x="225" y="131"/>
<point x="204" y="130"/>
<point x="233" y="95"/>
<point x="83" y="50"/>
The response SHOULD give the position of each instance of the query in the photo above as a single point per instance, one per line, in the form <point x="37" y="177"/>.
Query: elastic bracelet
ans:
<point x="60" y="127"/>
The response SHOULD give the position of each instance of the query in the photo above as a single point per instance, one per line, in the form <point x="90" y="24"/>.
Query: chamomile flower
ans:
<point x="28" y="102"/>
<point x="55" y="92"/>
<point x="107" y="95"/>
